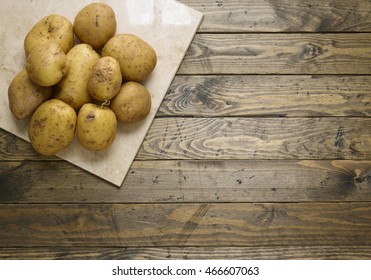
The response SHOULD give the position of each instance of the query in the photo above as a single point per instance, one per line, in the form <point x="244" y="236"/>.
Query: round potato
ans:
<point x="47" y="64"/>
<point x="52" y="127"/>
<point x="25" y="96"/>
<point x="136" y="57"/>
<point x="55" y="28"/>
<point x="73" y="88"/>
<point x="96" y="127"/>
<point x="105" y="79"/>
<point x="95" y="24"/>
<point x="132" y="103"/>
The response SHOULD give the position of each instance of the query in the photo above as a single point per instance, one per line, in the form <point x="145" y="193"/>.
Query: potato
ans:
<point x="105" y="79"/>
<point x="73" y="88"/>
<point x="96" y="127"/>
<point x="55" y="28"/>
<point x="136" y="57"/>
<point x="47" y="64"/>
<point x="52" y="127"/>
<point x="95" y="24"/>
<point x="132" y="103"/>
<point x="25" y="96"/>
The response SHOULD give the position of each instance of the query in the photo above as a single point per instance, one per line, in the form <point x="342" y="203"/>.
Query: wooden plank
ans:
<point x="278" y="54"/>
<point x="260" y="95"/>
<point x="257" y="138"/>
<point x="239" y="138"/>
<point x="283" y="15"/>
<point x="190" y="181"/>
<point x="189" y="253"/>
<point x="156" y="225"/>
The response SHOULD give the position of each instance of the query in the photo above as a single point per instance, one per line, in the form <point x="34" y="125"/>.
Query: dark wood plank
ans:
<point x="190" y="181"/>
<point x="239" y="138"/>
<point x="156" y="225"/>
<point x="189" y="253"/>
<point x="283" y="15"/>
<point x="260" y="95"/>
<point x="257" y="138"/>
<point x="278" y="54"/>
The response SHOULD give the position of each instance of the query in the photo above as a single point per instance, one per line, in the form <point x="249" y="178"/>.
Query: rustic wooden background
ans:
<point x="261" y="150"/>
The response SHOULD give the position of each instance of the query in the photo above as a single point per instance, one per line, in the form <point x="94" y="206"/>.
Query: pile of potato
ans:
<point x="82" y="89"/>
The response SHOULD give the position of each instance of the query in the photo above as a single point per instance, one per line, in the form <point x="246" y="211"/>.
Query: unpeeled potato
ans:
<point x="136" y="57"/>
<point x="52" y="127"/>
<point x="25" y="96"/>
<point x="132" y="103"/>
<point x="105" y="79"/>
<point x="96" y="127"/>
<point x="73" y="88"/>
<point x="95" y="24"/>
<point x="47" y="64"/>
<point x="52" y="28"/>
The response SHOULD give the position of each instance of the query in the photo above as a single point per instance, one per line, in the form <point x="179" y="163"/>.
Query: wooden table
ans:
<point x="260" y="150"/>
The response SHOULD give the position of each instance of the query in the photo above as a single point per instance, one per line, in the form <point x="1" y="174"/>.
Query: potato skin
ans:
<point x="96" y="127"/>
<point x="136" y="57"/>
<point x="47" y="64"/>
<point x="52" y="127"/>
<point x="132" y="103"/>
<point x="105" y="79"/>
<point x="25" y="96"/>
<point x="95" y="24"/>
<point x="53" y="27"/>
<point x="73" y="88"/>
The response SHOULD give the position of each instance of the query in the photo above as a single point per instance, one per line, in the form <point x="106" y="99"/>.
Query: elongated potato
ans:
<point x="52" y="28"/>
<point x="25" y="96"/>
<point x="52" y="127"/>
<point x="136" y="57"/>
<point x="73" y="88"/>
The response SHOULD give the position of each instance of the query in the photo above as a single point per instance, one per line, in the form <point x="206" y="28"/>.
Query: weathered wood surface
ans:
<point x="261" y="149"/>
<point x="284" y="15"/>
<point x="226" y="224"/>
<point x="260" y="95"/>
<point x="278" y="54"/>
<point x="190" y="253"/>
<point x="190" y="181"/>
<point x="257" y="138"/>
<point x="240" y="138"/>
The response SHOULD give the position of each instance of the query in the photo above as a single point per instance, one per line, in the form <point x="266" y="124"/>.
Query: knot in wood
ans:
<point x="311" y="51"/>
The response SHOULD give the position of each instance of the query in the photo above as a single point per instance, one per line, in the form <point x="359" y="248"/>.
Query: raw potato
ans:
<point x="73" y="88"/>
<point x="132" y="103"/>
<point x="95" y="24"/>
<point x="25" y="96"/>
<point x="52" y="127"/>
<point x="136" y="57"/>
<point x="55" y="28"/>
<point x="96" y="127"/>
<point x="105" y="79"/>
<point x="47" y="64"/>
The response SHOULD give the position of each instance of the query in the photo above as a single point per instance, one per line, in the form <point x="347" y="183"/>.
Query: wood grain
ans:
<point x="257" y="138"/>
<point x="283" y="15"/>
<point x="278" y="54"/>
<point x="260" y="95"/>
<point x="190" y="181"/>
<point x="156" y="225"/>
<point x="189" y="253"/>
<point x="239" y="138"/>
